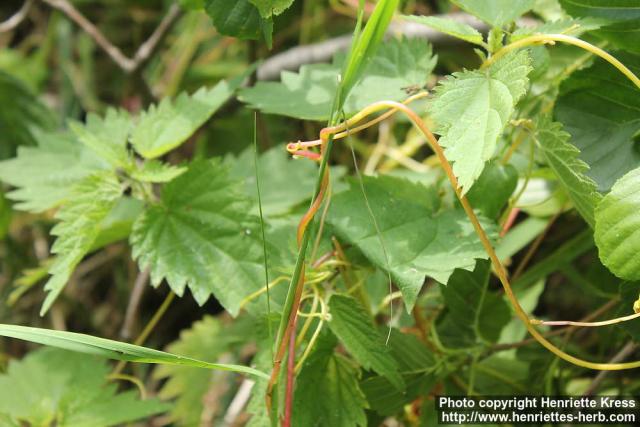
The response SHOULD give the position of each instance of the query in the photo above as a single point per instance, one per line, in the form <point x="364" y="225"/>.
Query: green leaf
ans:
<point x="156" y="171"/>
<point x="334" y="380"/>
<point x="164" y="127"/>
<point x="494" y="188"/>
<point x="472" y="108"/>
<point x="107" y="136"/>
<point x="45" y="175"/>
<point x="207" y="339"/>
<point x="610" y="10"/>
<point x="496" y="12"/>
<point x="419" y="239"/>
<point x="308" y="94"/>
<point x="599" y="107"/>
<point x="617" y="223"/>
<point x="353" y="326"/>
<point x="55" y="387"/>
<point x="18" y="122"/>
<point x="80" y="219"/>
<point x="200" y="235"/>
<point x="562" y="157"/>
<point x="110" y="349"/>
<point x="473" y="311"/>
<point x="269" y="8"/>
<point x="238" y="18"/>
<point x="5" y="215"/>
<point x="447" y="26"/>
<point x="573" y="27"/>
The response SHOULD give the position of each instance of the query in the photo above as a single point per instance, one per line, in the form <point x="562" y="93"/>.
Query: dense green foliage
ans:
<point x="190" y="170"/>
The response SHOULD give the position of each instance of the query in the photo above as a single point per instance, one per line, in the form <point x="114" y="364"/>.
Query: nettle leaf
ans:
<point x="496" y="12"/>
<point x="80" y="218"/>
<point x="473" y="311"/>
<point x="617" y="222"/>
<point x="238" y="18"/>
<point x="156" y="171"/>
<point x="599" y="108"/>
<point x="207" y="339"/>
<point x="353" y="326"/>
<point x="56" y="387"/>
<point x="269" y="8"/>
<point x="447" y="26"/>
<point x="562" y="26"/>
<point x="107" y="136"/>
<point x="493" y="189"/>
<point x="562" y="157"/>
<point x="420" y="240"/>
<point x="45" y="175"/>
<point x="26" y="113"/>
<point x="616" y="10"/>
<point x="471" y="109"/>
<point x="334" y="379"/>
<point x="164" y="127"/>
<point x="397" y="65"/>
<point x="201" y="235"/>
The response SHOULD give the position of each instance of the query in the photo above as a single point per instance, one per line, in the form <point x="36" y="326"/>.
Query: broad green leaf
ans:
<point x="164" y="127"/>
<point x="493" y="189"/>
<point x="55" y="387"/>
<point x="573" y="27"/>
<point x="207" y="339"/>
<point x="269" y="8"/>
<point x="471" y="109"/>
<point x="474" y="312"/>
<point x="156" y="171"/>
<point x="107" y="136"/>
<point x="353" y="326"/>
<point x="45" y="175"/>
<point x="610" y="10"/>
<point x="201" y="235"/>
<point x="562" y="157"/>
<point x="110" y="349"/>
<point x="420" y="240"/>
<point x="26" y="113"/>
<point x="617" y="222"/>
<point x="237" y="18"/>
<point x="447" y="26"/>
<point x="284" y="182"/>
<point x="118" y="223"/>
<point x="5" y="215"/>
<point x="496" y="12"/>
<point x="334" y="379"/>
<point x="623" y="35"/>
<point x="629" y="293"/>
<point x="192" y="4"/>
<point x="418" y="368"/>
<point x="599" y="107"/>
<point x="308" y="94"/>
<point x="80" y="219"/>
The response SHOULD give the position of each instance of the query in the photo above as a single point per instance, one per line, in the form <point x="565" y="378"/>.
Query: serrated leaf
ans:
<point x="156" y="171"/>
<point x="447" y="26"/>
<point x="562" y="157"/>
<point x="207" y="339"/>
<point x="201" y="235"/>
<point x="471" y="109"/>
<point x="165" y="126"/>
<point x="45" y="175"/>
<point x="617" y="222"/>
<point x="110" y="349"/>
<point x="493" y="189"/>
<point x="335" y="380"/>
<point x="26" y="113"/>
<point x="397" y="65"/>
<point x="353" y="326"/>
<point x="107" y="136"/>
<point x="51" y="386"/>
<point x="616" y="10"/>
<point x="269" y="8"/>
<point x="237" y="18"/>
<point x="569" y="26"/>
<point x="599" y="107"/>
<point x="419" y="240"/>
<point x="496" y="12"/>
<point x="80" y="219"/>
<point x="473" y="311"/>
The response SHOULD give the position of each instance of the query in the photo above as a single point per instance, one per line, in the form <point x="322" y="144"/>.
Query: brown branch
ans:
<point x="626" y="351"/>
<point x="134" y="303"/>
<point x="17" y="18"/>
<point x="145" y="50"/>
